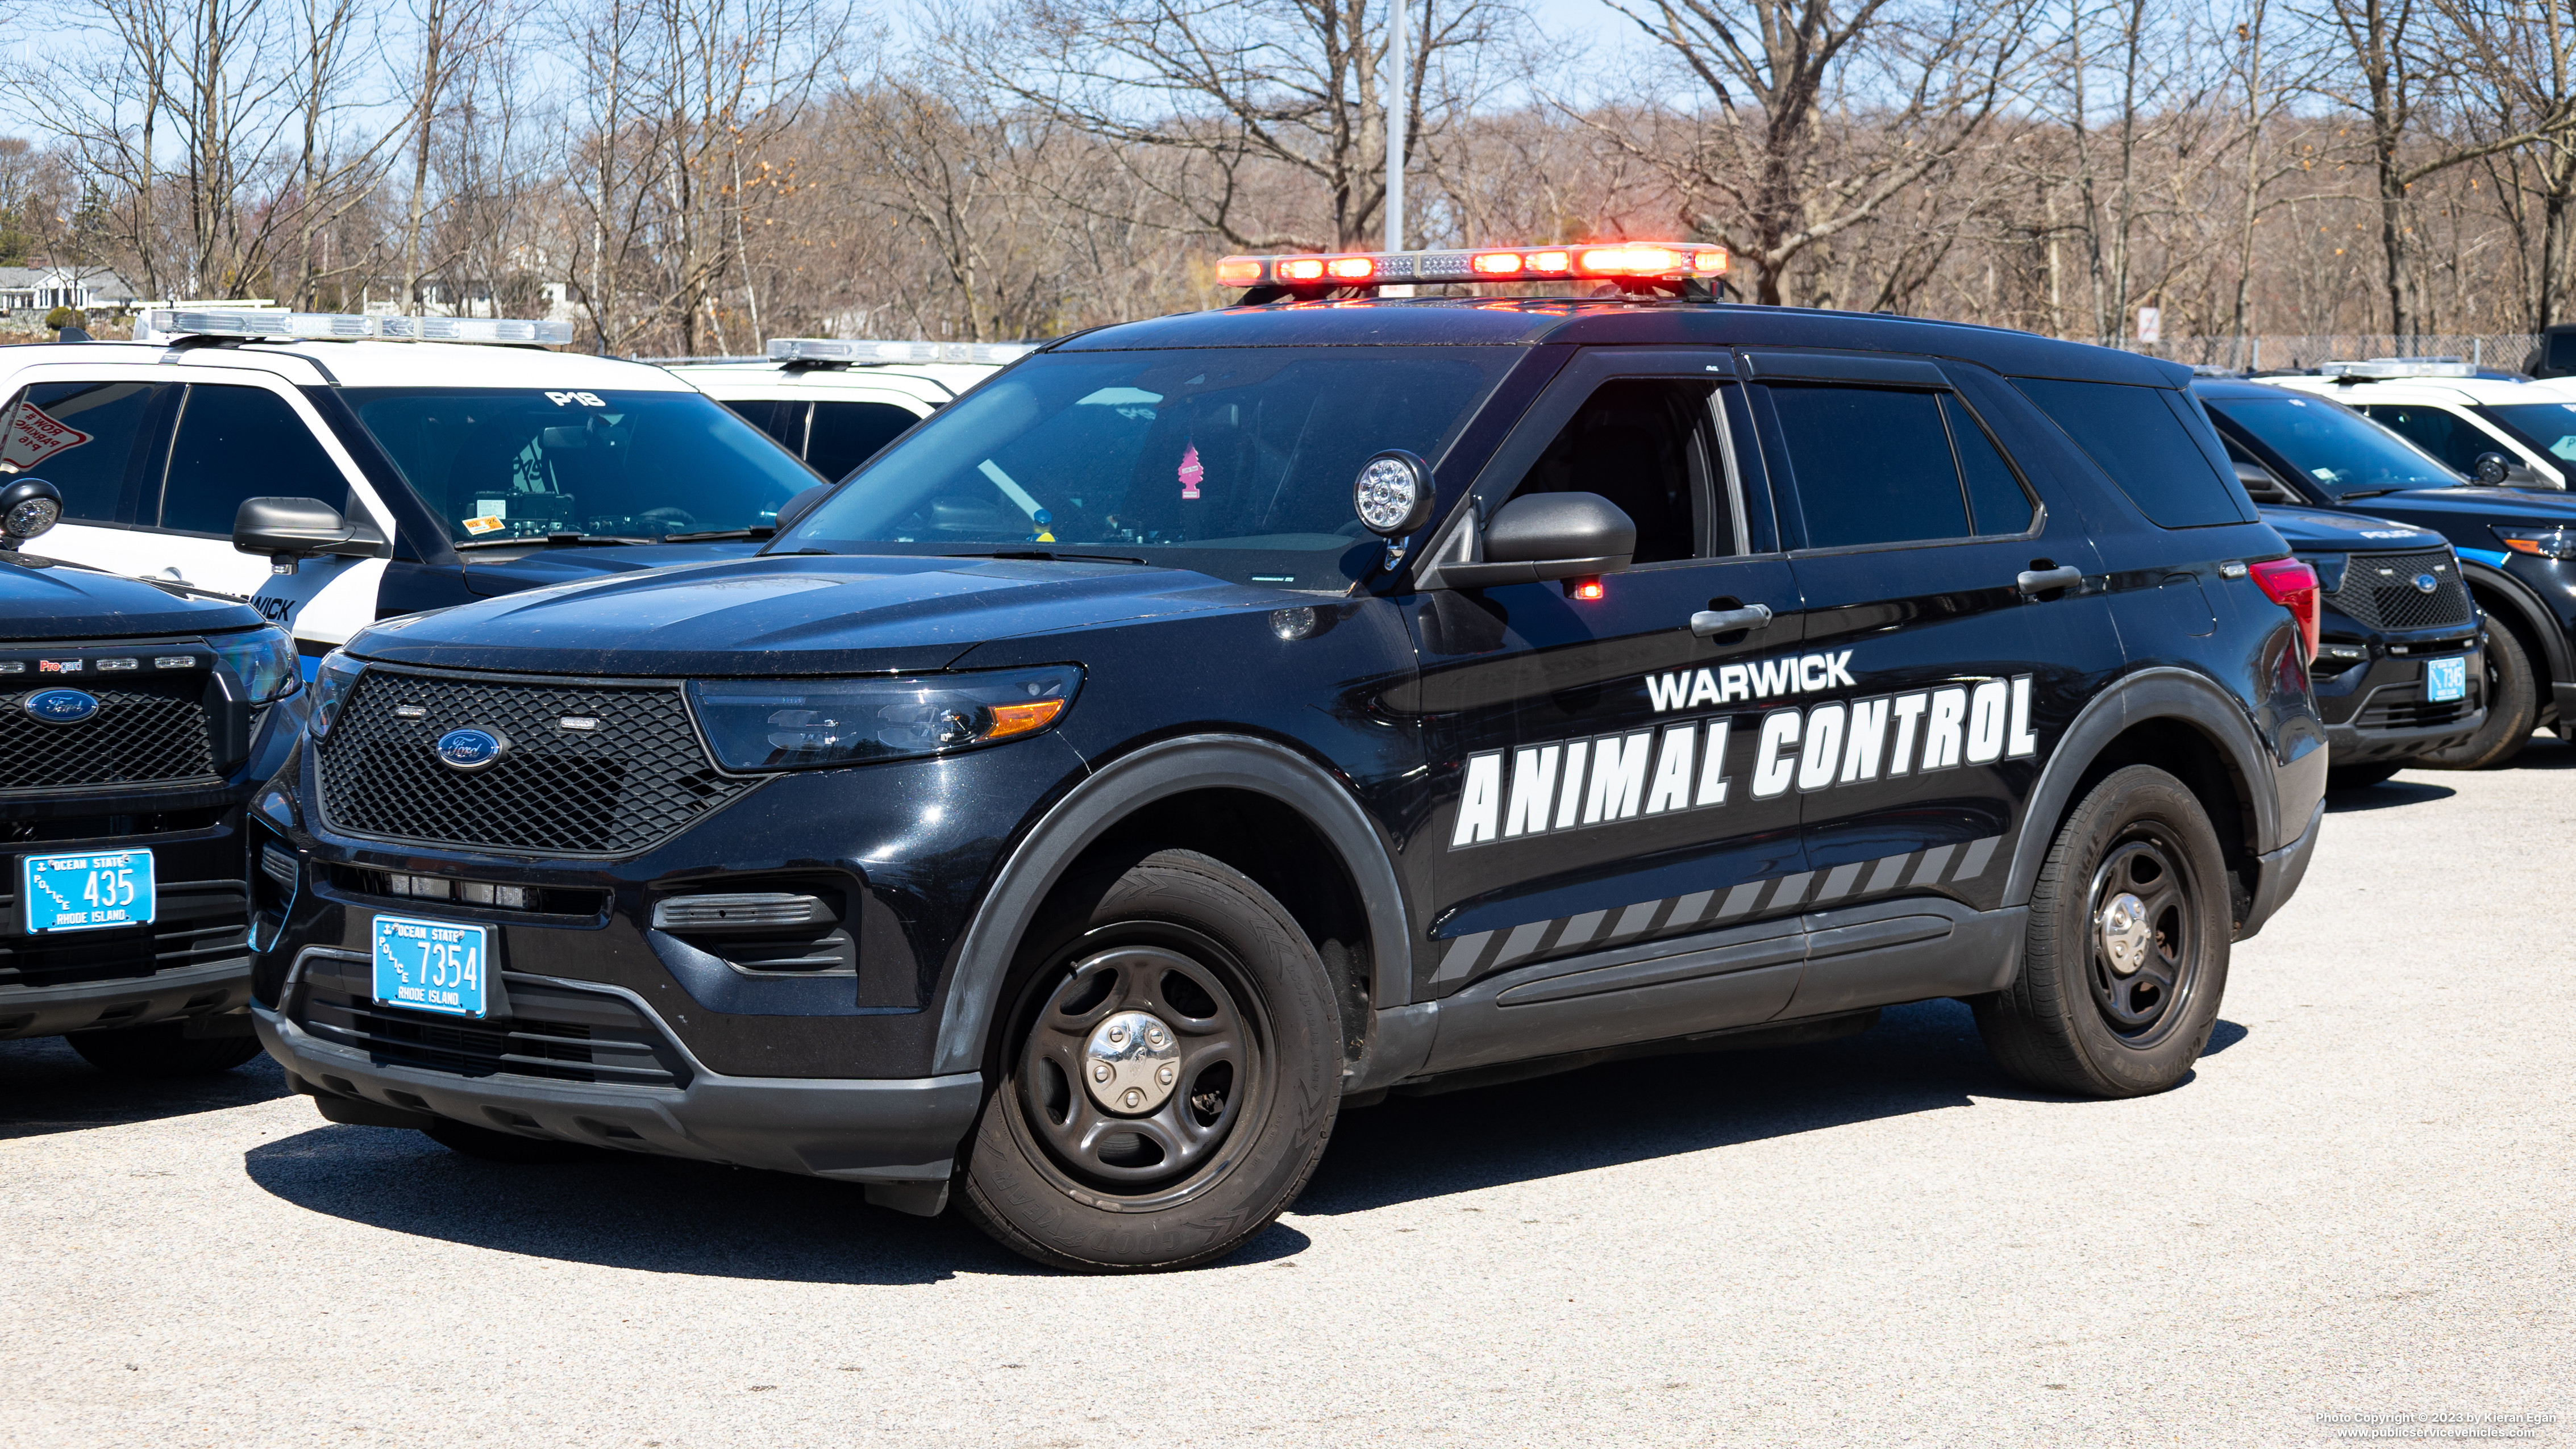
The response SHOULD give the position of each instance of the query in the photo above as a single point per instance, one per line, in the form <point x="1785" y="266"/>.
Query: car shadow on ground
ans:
<point x="46" y="1088"/>
<point x="664" y="1216"/>
<point x="2386" y="795"/>
<point x="1921" y="1058"/>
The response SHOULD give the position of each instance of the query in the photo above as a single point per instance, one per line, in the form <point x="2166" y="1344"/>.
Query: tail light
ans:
<point x="2293" y="585"/>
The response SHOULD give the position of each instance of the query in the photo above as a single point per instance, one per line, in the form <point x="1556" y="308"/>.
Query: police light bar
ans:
<point x="340" y="326"/>
<point x="2399" y="367"/>
<point x="862" y="351"/>
<point x="1605" y="261"/>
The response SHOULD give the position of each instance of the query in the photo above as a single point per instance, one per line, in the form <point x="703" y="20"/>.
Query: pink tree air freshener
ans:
<point x="1191" y="472"/>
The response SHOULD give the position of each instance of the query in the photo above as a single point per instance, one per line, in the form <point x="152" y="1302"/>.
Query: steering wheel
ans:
<point x="677" y="520"/>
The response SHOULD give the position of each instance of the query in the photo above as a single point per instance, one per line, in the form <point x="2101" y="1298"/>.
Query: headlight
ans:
<point x="263" y="659"/>
<point x="788" y="724"/>
<point x="2546" y="542"/>
<point x="332" y="679"/>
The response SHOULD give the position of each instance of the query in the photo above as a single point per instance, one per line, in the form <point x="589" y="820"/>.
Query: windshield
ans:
<point x="497" y="464"/>
<point x="1235" y="462"/>
<point x="2344" y="451"/>
<point x="2549" y="427"/>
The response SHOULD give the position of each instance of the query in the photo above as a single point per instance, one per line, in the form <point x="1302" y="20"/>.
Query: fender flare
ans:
<point x="1119" y="789"/>
<point x="2158" y="693"/>
<point x="2527" y="606"/>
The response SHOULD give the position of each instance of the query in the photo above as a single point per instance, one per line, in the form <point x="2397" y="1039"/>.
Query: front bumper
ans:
<point x="2376" y="710"/>
<point x="870" y="1130"/>
<point x="192" y="960"/>
<point x="217" y="986"/>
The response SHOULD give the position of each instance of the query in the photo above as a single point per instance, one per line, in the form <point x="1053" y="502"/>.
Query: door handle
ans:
<point x="1710" y="622"/>
<point x="2041" y="581"/>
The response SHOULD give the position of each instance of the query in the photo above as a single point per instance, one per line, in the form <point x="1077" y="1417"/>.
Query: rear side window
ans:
<point x="241" y="442"/>
<point x="85" y="438"/>
<point x="1872" y="465"/>
<point x="847" y="434"/>
<point x="2133" y="434"/>
<point x="1995" y="495"/>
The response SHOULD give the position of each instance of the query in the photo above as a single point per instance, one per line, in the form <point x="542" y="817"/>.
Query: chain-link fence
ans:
<point x="2504" y="351"/>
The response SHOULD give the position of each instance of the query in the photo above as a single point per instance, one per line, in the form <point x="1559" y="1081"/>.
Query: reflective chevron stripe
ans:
<point x="1857" y="880"/>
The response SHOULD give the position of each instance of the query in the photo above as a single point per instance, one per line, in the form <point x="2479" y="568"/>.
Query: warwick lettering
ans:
<point x="1682" y="764"/>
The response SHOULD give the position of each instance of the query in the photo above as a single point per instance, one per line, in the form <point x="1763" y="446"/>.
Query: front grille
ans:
<point x="633" y="778"/>
<point x="138" y="737"/>
<point x="193" y="925"/>
<point x="2403" y="707"/>
<point x="2379" y="592"/>
<point x="556" y="1032"/>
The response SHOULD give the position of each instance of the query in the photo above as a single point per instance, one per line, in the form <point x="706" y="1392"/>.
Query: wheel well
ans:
<point x="2181" y="750"/>
<point x="2501" y="609"/>
<point x="1284" y="854"/>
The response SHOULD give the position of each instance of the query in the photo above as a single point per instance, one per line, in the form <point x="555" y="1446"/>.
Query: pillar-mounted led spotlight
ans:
<point x="28" y="507"/>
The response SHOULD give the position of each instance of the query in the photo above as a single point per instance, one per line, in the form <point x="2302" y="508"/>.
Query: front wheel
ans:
<point x="1169" y="1071"/>
<point x="2125" y="955"/>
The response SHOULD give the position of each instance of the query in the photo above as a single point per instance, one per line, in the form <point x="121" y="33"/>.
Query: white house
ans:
<point x="41" y="289"/>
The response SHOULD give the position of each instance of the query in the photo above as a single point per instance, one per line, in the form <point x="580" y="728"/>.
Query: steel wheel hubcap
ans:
<point x="1137" y="1067"/>
<point x="1134" y="1060"/>
<point x="2144" y="933"/>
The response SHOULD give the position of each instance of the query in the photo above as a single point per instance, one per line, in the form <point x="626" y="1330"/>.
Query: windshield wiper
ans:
<point x="2365" y="492"/>
<point x="711" y="535"/>
<point x="1043" y="557"/>
<point x="548" y="540"/>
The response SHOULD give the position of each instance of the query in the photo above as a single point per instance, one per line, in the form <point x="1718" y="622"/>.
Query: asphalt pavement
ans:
<point x="2358" y="1207"/>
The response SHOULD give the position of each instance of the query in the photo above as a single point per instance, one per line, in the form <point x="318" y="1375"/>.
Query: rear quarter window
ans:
<point x="2135" y="435"/>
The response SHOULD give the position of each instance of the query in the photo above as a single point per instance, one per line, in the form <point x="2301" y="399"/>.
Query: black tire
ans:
<point x="2361" y="777"/>
<point x="2513" y="709"/>
<point x="2073" y="1020"/>
<point x="494" y="1146"/>
<point x="1117" y="1180"/>
<point x="162" y="1049"/>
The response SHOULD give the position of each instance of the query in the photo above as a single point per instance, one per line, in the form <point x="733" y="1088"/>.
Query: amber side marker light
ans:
<point x="1021" y="719"/>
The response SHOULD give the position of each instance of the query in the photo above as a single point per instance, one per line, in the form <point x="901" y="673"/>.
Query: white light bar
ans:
<point x="864" y="350"/>
<point x="343" y="327"/>
<point x="2400" y="367"/>
<point x="1611" y="261"/>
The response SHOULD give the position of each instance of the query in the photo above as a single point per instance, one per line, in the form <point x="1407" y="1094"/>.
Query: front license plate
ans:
<point x="430" y="965"/>
<point x="86" y="892"/>
<point x="2446" y="679"/>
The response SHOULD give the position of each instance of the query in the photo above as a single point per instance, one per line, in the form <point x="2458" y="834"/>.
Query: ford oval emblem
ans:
<point x="60" y="706"/>
<point x="2426" y="583"/>
<point x="470" y="749"/>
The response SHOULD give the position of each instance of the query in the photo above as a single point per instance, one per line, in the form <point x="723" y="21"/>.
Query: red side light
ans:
<point x="1559" y="262"/>
<point x="1496" y="264"/>
<point x="1352" y="269"/>
<point x="1710" y="261"/>
<point x="1301" y="269"/>
<point x="2292" y="585"/>
<point x="1584" y="589"/>
<point x="1238" y="272"/>
<point x="1631" y="261"/>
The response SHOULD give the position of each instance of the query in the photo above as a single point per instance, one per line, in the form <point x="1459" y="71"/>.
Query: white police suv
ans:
<point x="400" y="464"/>
<point x="2489" y="428"/>
<point x="836" y="401"/>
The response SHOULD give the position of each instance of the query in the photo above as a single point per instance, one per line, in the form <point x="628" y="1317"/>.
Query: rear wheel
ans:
<point x="2125" y="956"/>
<point x="2513" y="708"/>
<point x="163" y="1049"/>
<point x="1168" y="1076"/>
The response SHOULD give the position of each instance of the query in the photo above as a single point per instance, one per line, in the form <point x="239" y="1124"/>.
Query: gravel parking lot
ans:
<point x="2359" y="1206"/>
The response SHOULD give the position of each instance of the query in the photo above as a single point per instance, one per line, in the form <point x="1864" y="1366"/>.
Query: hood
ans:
<point x="500" y="571"/>
<point x="2468" y="516"/>
<point x="788" y="614"/>
<point x="2316" y="530"/>
<point x="44" y="600"/>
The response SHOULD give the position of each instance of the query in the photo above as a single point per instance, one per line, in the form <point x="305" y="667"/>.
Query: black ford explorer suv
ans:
<point x="1212" y="722"/>
<point x="2516" y="546"/>
<point x="2398" y="669"/>
<point x="135" y="720"/>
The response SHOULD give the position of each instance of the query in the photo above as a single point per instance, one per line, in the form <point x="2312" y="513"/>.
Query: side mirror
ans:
<point x="292" y="529"/>
<point x="802" y="504"/>
<point x="1541" y="536"/>
<point x="27" y="508"/>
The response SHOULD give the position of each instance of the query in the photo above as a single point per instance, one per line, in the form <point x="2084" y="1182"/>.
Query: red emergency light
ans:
<point x="1657" y="264"/>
